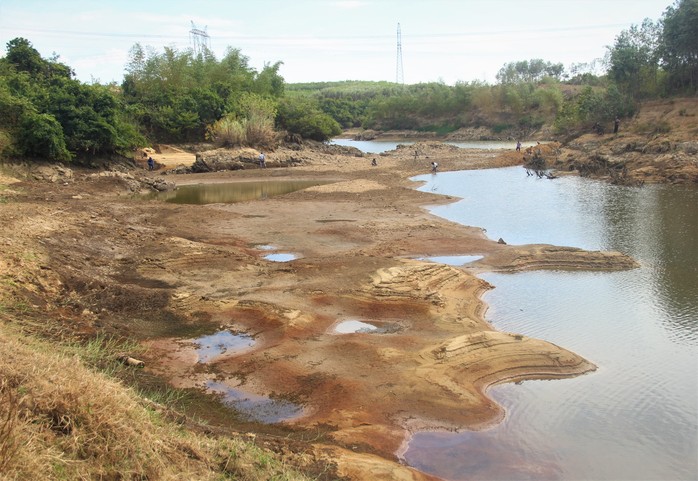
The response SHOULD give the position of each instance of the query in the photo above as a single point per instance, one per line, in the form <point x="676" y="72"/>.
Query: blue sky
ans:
<point x="327" y="40"/>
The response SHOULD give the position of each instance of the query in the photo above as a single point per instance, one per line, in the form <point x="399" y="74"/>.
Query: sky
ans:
<point x="330" y="40"/>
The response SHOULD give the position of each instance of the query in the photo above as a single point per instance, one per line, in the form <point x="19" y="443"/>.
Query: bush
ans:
<point x="40" y="135"/>
<point x="302" y="116"/>
<point x="5" y="143"/>
<point x="259" y="130"/>
<point x="227" y="132"/>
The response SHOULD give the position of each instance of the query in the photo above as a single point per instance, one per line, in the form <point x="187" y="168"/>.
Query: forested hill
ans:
<point x="174" y="96"/>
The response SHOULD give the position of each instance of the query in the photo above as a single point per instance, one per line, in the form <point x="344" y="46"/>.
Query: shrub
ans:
<point x="259" y="130"/>
<point x="227" y="132"/>
<point x="40" y="135"/>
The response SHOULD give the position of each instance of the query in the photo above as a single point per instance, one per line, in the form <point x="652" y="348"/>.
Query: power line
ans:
<point x="475" y="33"/>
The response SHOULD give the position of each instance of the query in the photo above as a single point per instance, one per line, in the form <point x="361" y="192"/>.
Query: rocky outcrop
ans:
<point x="225" y="159"/>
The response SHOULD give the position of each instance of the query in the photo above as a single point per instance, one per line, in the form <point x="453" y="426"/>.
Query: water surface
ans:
<point x="280" y="257"/>
<point x="232" y="192"/>
<point x="350" y="327"/>
<point x="452" y="260"/>
<point x="255" y="407"/>
<point x="210" y="346"/>
<point x="379" y="146"/>
<point x="637" y="416"/>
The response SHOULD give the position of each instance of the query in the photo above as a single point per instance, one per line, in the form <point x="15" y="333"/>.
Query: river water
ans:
<point x="636" y="417"/>
<point x="378" y="146"/>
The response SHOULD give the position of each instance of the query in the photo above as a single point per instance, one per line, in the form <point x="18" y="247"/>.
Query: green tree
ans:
<point x="302" y="115"/>
<point x="40" y="135"/>
<point x="634" y="59"/>
<point x="50" y="114"/>
<point x="529" y="71"/>
<point x="679" y="45"/>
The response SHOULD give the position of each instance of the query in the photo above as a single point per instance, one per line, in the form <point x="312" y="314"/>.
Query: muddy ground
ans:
<point x="92" y="256"/>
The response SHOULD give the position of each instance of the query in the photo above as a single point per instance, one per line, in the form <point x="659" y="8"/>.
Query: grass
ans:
<point x="61" y="419"/>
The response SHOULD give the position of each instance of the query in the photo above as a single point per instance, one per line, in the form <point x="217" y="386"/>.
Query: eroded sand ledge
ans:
<point x="355" y="238"/>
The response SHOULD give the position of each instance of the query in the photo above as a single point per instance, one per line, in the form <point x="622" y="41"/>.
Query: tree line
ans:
<point x="180" y="96"/>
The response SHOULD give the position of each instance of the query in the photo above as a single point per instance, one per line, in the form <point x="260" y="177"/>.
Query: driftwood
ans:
<point x="131" y="361"/>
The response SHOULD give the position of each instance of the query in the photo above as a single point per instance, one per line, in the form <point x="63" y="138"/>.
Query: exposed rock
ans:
<point x="224" y="159"/>
<point x="53" y="173"/>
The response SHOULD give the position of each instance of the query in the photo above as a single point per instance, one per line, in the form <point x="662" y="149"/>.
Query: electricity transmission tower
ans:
<point x="199" y="39"/>
<point x="400" y="75"/>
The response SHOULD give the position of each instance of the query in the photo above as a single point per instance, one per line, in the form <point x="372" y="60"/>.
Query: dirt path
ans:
<point x="96" y="259"/>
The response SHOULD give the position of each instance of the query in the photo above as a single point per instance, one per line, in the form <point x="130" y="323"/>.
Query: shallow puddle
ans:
<point x="363" y="327"/>
<point x="452" y="260"/>
<point x="280" y="257"/>
<point x="232" y="192"/>
<point x="349" y="327"/>
<point x="257" y="408"/>
<point x="222" y="342"/>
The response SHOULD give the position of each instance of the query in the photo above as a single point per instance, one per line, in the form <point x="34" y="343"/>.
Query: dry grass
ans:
<point x="257" y="130"/>
<point x="60" y="420"/>
<point x="227" y="132"/>
<point x="260" y="130"/>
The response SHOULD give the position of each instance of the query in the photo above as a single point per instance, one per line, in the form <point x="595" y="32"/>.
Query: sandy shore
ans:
<point x="159" y="272"/>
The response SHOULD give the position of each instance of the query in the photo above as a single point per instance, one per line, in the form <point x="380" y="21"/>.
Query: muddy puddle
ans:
<point x="280" y="257"/>
<point x="255" y="407"/>
<point x="451" y="260"/>
<point x="276" y="256"/>
<point x="200" y="363"/>
<point x="212" y="346"/>
<point x="365" y="327"/>
<point x="229" y="193"/>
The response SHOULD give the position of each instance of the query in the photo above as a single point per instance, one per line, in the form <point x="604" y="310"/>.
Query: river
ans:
<point x="636" y="417"/>
<point x="378" y="146"/>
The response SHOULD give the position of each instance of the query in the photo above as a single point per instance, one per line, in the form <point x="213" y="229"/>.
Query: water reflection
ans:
<point x="379" y="146"/>
<point x="280" y="257"/>
<point x="349" y="327"/>
<point x="232" y="192"/>
<point x="256" y="407"/>
<point x="451" y="260"/>
<point x="210" y="346"/>
<point x="657" y="225"/>
<point x="637" y="416"/>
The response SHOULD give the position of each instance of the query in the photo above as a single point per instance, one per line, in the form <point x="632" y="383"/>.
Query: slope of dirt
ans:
<point x="85" y="254"/>
<point x="660" y="144"/>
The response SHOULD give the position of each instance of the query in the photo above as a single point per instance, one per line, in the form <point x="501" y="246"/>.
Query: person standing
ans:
<point x="434" y="166"/>
<point x="262" y="160"/>
<point x="616" y="124"/>
<point x="151" y="163"/>
<point x="518" y="146"/>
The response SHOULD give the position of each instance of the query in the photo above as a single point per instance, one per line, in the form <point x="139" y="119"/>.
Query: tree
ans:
<point x="24" y="57"/>
<point x="679" y="44"/>
<point x="529" y="71"/>
<point x="634" y="59"/>
<point x="40" y="135"/>
<point x="302" y="115"/>
<point x="51" y="115"/>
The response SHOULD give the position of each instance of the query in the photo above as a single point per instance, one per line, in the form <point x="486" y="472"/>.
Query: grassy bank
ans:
<point x="62" y="419"/>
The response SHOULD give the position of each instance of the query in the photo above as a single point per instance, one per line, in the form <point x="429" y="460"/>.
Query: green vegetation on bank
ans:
<point x="175" y="96"/>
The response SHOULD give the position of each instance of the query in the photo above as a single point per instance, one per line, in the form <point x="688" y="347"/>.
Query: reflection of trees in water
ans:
<point x="235" y="192"/>
<point x="658" y="225"/>
<point x="678" y="275"/>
